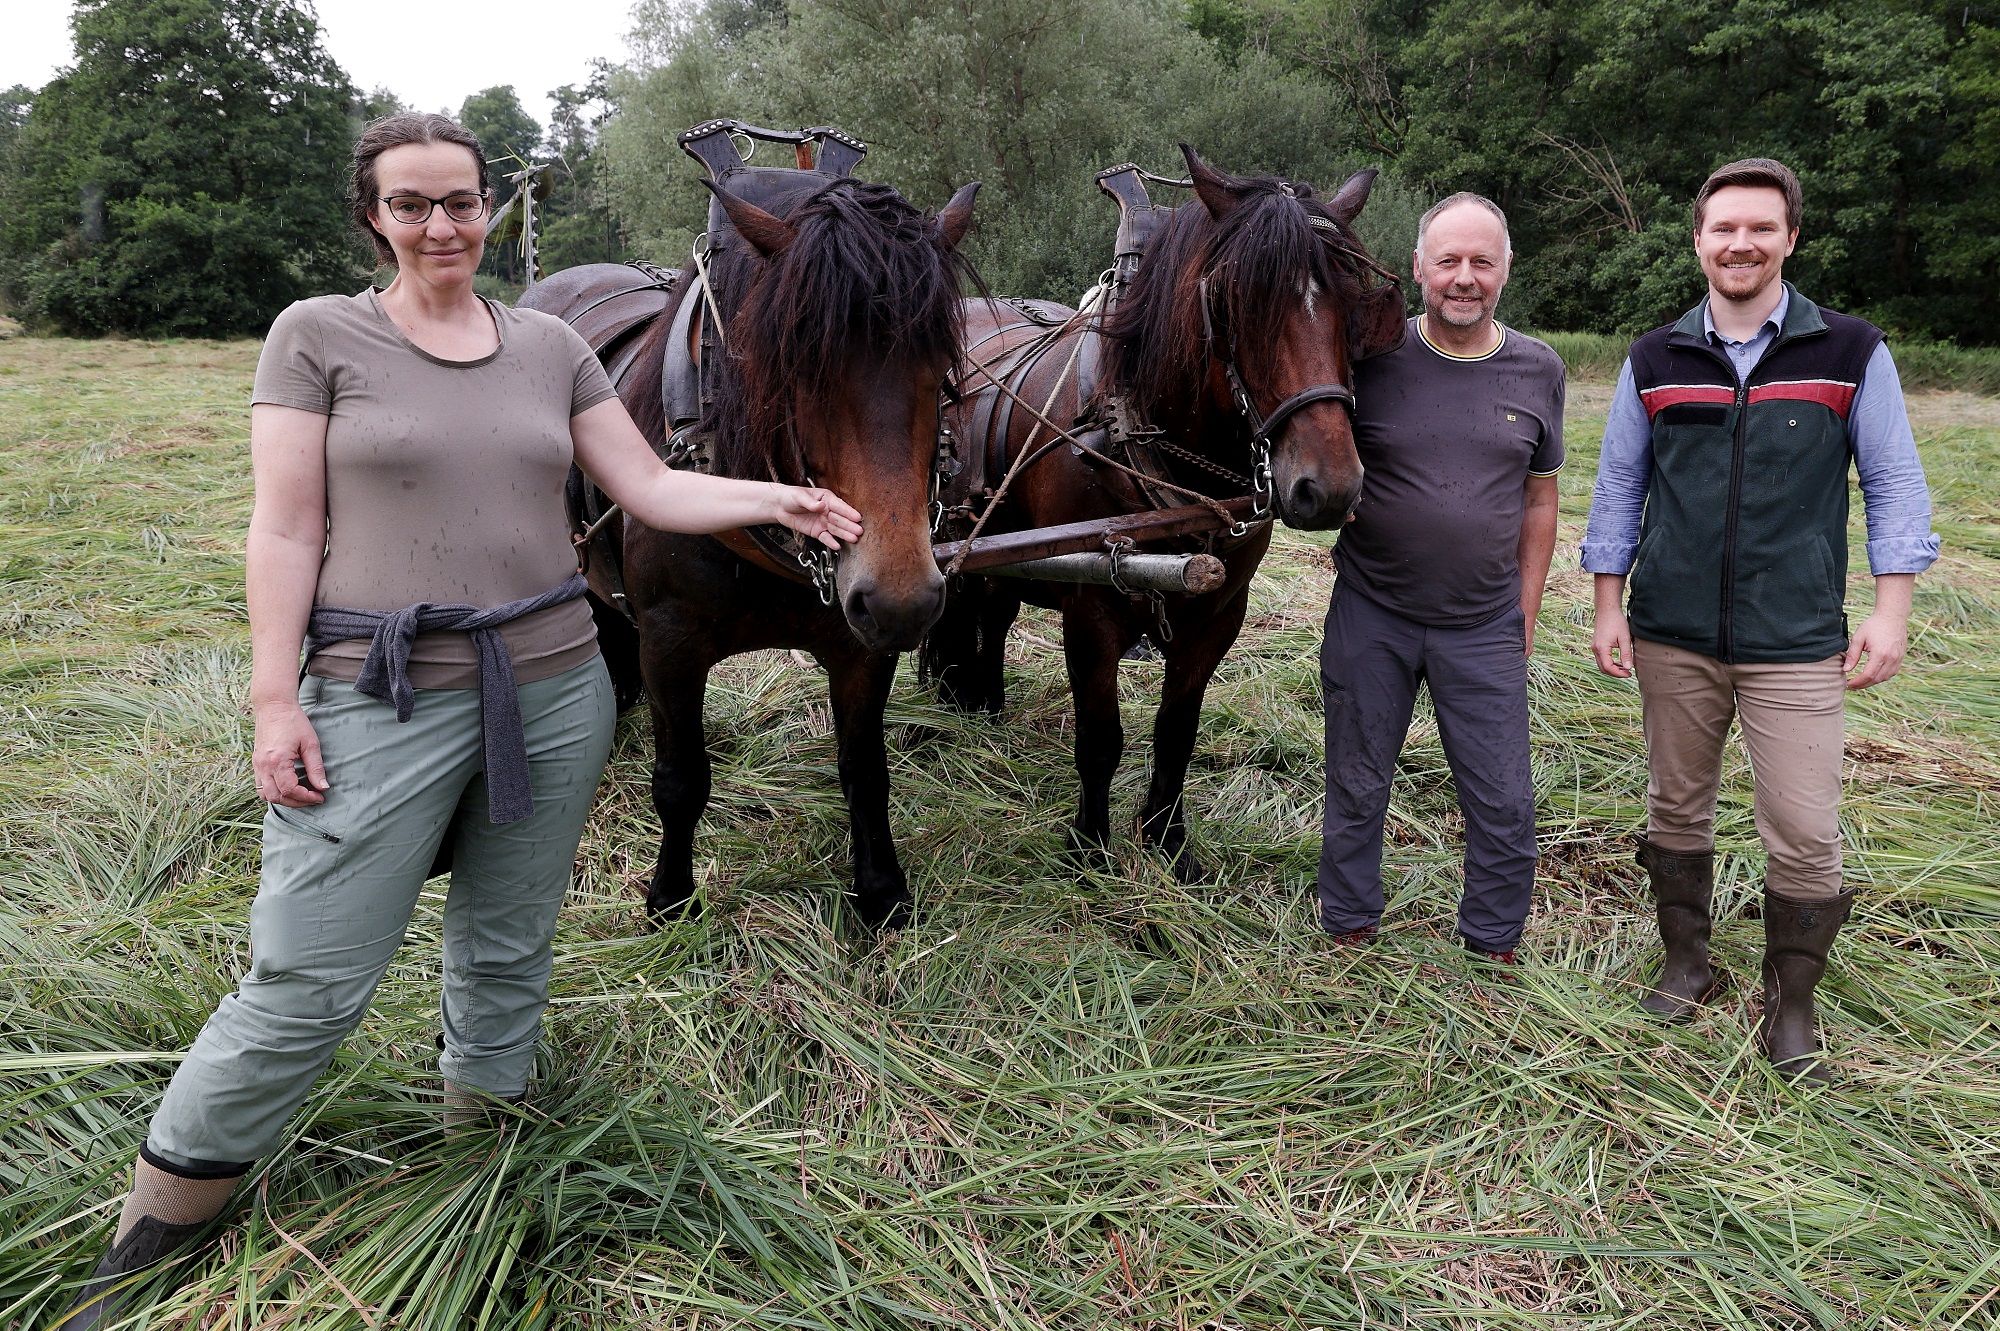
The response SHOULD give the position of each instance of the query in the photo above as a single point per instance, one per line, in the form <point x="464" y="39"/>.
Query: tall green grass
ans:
<point x="1069" y="1097"/>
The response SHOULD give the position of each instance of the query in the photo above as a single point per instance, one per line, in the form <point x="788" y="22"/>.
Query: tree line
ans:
<point x="183" y="175"/>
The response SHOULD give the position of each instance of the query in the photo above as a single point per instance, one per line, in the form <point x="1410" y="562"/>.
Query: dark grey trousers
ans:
<point x="1370" y="666"/>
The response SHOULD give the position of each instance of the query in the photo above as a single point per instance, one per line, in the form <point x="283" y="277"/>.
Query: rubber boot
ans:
<point x="164" y="1214"/>
<point x="1797" y="936"/>
<point x="1683" y="892"/>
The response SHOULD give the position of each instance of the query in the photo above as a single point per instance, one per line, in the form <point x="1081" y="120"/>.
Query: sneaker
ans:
<point x="1362" y="937"/>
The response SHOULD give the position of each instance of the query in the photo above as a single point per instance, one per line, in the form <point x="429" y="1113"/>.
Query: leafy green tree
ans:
<point x="1593" y="122"/>
<point x="1031" y="96"/>
<point x="577" y="224"/>
<point x="185" y="176"/>
<point x="511" y="138"/>
<point x="14" y="104"/>
<point x="382" y="101"/>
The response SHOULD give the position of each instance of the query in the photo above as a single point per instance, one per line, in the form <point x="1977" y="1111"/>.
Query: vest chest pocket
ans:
<point x="1695" y="413"/>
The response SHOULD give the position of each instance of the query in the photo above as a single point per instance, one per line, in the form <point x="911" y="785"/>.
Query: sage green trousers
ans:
<point x="341" y="880"/>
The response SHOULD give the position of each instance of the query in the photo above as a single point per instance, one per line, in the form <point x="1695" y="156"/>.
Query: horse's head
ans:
<point x="843" y="321"/>
<point x="1250" y="307"/>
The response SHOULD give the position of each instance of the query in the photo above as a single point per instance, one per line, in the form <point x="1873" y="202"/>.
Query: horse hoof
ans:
<point x="867" y="918"/>
<point x="1087" y="853"/>
<point x="664" y="910"/>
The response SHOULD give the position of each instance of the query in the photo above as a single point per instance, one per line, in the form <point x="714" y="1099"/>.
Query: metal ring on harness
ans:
<point x="817" y="561"/>
<point x="1263" y="489"/>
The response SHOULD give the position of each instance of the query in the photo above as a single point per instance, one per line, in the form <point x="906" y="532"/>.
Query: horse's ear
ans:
<point x="1218" y="193"/>
<point x="955" y="218"/>
<point x="767" y="233"/>
<point x="1346" y="205"/>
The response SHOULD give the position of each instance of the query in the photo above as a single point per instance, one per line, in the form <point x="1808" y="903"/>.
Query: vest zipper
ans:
<point x="1725" y="626"/>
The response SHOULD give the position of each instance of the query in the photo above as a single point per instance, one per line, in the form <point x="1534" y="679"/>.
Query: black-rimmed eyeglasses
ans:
<point x="415" y="209"/>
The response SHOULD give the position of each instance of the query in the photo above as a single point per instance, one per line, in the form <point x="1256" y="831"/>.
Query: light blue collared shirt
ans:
<point x="1897" y="500"/>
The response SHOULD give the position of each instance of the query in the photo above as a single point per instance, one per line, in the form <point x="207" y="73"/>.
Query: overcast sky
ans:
<point x="432" y="56"/>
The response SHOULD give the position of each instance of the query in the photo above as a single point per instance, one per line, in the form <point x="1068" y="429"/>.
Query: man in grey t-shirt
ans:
<point x="1440" y="577"/>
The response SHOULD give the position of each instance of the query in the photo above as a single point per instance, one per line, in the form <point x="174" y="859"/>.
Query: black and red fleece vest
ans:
<point x="1743" y="550"/>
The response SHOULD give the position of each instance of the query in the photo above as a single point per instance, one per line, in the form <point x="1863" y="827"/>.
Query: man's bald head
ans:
<point x="1462" y="199"/>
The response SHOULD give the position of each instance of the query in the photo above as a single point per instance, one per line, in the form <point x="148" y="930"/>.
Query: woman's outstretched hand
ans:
<point x="285" y="743"/>
<point x="818" y="513"/>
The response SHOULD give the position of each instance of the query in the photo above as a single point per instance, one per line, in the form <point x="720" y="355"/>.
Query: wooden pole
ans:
<point x="1013" y="547"/>
<point x="1139" y="572"/>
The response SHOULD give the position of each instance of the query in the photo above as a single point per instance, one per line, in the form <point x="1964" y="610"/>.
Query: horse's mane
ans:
<point x="1255" y="258"/>
<point x="867" y="279"/>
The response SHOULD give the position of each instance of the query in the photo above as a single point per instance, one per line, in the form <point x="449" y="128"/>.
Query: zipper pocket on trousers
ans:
<point x="290" y="818"/>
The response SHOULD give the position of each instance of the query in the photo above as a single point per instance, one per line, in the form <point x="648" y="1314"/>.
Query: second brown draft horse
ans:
<point x="833" y="320"/>
<point x="1234" y="341"/>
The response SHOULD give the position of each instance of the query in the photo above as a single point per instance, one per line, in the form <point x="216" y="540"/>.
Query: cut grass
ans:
<point x="1066" y="1098"/>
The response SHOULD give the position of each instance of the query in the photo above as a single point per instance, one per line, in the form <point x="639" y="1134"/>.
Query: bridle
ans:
<point x="1264" y="428"/>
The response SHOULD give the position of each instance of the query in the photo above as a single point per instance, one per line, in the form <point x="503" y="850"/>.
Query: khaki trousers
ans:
<point x="1792" y="717"/>
<point x="341" y="881"/>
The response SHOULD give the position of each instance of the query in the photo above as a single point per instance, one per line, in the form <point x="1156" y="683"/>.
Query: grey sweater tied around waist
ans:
<point x="385" y="674"/>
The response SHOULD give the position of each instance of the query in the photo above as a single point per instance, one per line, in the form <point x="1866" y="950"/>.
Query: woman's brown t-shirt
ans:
<point x="444" y="479"/>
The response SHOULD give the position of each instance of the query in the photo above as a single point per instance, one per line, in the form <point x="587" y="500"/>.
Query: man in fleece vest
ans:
<point x="1722" y="496"/>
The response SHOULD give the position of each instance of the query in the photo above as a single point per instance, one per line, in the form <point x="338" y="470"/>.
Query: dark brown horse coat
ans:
<point x="1257" y="274"/>
<point x="839" y="322"/>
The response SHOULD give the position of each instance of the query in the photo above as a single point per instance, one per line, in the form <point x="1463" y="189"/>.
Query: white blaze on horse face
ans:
<point x="1309" y="289"/>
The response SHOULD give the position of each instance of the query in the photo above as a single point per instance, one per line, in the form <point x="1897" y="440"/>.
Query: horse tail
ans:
<point x="962" y="656"/>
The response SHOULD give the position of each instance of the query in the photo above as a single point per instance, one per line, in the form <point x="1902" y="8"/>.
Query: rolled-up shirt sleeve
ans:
<point x="1898" y="501"/>
<point x="1624" y="471"/>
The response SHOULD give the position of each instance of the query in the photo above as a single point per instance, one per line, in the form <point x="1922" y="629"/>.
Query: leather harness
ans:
<point x="1107" y="428"/>
<point x="613" y="323"/>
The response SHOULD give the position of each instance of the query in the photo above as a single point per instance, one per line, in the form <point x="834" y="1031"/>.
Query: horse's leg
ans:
<point x="964" y="654"/>
<point x="1093" y="639"/>
<point x="858" y="686"/>
<point x="997" y="610"/>
<point x="1198" y="646"/>
<point x="676" y="681"/>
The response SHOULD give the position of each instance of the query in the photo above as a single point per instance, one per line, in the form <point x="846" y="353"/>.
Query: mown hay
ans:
<point x="1068" y="1097"/>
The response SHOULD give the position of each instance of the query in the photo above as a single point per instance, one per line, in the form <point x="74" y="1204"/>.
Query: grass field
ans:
<point x="1058" y="1101"/>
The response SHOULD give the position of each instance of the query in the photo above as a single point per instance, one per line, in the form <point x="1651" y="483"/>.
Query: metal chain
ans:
<point x="1162" y="443"/>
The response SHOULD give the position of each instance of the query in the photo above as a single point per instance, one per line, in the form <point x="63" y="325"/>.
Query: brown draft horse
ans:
<point x="841" y="313"/>
<point x="1256" y="284"/>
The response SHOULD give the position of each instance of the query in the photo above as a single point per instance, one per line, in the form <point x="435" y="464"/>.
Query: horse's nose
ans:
<point x="1305" y="502"/>
<point x="891" y="623"/>
<point x="1312" y="505"/>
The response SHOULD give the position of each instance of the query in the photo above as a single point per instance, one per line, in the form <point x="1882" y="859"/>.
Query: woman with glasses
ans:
<point x="409" y="448"/>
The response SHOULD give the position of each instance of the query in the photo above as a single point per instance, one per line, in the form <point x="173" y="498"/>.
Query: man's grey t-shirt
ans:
<point x="444" y="479"/>
<point x="1448" y="443"/>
